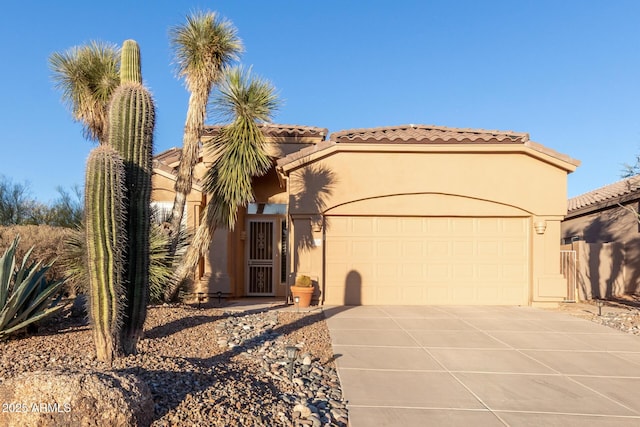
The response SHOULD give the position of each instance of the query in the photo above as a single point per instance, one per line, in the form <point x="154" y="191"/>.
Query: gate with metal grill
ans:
<point x="261" y="257"/>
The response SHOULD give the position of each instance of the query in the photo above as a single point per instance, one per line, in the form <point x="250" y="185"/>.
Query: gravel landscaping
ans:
<point x="207" y="366"/>
<point x="213" y="366"/>
<point x="622" y="314"/>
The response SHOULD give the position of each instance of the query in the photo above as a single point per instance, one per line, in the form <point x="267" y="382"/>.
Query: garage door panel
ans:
<point x="464" y="272"/>
<point x="514" y="272"/>
<point x="437" y="226"/>
<point x="489" y="248"/>
<point x="412" y="248"/>
<point x="387" y="226"/>
<point x="438" y="248"/>
<point x="514" y="248"/>
<point x="387" y="248"/>
<point x="411" y="271"/>
<point x="464" y="248"/>
<point x="363" y="226"/>
<point x="463" y="226"/>
<point x="387" y="272"/>
<point x="464" y="294"/>
<point x="338" y="225"/>
<point x="430" y="260"/>
<point x="410" y="226"/>
<point x="437" y="272"/>
<point x="515" y="228"/>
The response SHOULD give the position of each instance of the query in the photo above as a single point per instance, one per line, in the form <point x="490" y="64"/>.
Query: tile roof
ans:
<point x="428" y="134"/>
<point x="620" y="191"/>
<point x="167" y="157"/>
<point x="280" y="130"/>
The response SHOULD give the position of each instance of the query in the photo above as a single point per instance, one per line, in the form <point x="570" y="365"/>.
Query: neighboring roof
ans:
<point x="612" y="194"/>
<point x="281" y="131"/>
<point x="168" y="157"/>
<point x="427" y="134"/>
<point x="407" y="134"/>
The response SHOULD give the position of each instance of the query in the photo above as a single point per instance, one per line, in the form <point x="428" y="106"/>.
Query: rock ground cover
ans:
<point x="213" y="367"/>
<point x="622" y="314"/>
<point x="207" y="366"/>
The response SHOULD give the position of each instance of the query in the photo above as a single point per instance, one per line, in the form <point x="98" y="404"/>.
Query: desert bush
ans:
<point x="161" y="265"/>
<point x="47" y="242"/>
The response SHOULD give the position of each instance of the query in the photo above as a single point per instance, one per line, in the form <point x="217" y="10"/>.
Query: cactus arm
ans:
<point x="130" y="68"/>
<point x="104" y="217"/>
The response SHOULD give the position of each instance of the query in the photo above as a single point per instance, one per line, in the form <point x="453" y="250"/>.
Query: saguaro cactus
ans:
<point x="105" y="241"/>
<point x="131" y="124"/>
<point x="130" y="68"/>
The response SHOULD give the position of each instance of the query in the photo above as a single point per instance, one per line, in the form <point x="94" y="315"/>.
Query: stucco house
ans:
<point x="410" y="214"/>
<point x="602" y="227"/>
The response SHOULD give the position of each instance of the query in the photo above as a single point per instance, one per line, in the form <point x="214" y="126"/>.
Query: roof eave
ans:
<point x="299" y="159"/>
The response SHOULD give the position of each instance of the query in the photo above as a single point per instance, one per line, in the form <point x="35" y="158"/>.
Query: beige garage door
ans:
<point x="417" y="261"/>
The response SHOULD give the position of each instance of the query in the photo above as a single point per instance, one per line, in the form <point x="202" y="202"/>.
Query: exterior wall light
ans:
<point x="540" y="226"/>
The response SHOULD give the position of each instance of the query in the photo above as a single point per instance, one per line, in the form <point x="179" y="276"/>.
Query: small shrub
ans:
<point x="161" y="264"/>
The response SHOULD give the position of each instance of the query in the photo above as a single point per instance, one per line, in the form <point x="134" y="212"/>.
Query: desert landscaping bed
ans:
<point x="206" y="366"/>
<point x="618" y="313"/>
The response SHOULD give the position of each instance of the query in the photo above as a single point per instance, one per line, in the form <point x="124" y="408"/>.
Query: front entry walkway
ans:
<point x="483" y="366"/>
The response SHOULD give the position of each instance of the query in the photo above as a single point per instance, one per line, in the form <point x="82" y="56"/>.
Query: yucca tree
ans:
<point x="239" y="155"/>
<point x="202" y="46"/>
<point x="87" y="76"/>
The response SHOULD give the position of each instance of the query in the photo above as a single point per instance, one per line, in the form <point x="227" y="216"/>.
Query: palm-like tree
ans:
<point x="87" y="76"/>
<point x="239" y="154"/>
<point x="202" y="47"/>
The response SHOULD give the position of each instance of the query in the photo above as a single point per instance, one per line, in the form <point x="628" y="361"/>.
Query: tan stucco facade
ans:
<point x="401" y="223"/>
<point x="449" y="183"/>
<point x="224" y="270"/>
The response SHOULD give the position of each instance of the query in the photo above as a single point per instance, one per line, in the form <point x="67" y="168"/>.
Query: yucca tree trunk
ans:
<point x="203" y="46"/>
<point x="241" y="156"/>
<point x="194" y="127"/>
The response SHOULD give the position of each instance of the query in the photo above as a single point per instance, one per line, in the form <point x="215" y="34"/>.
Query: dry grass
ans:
<point x="47" y="242"/>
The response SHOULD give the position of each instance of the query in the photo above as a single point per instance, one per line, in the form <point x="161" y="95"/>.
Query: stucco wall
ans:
<point x="512" y="180"/>
<point x="610" y="242"/>
<point x="434" y="184"/>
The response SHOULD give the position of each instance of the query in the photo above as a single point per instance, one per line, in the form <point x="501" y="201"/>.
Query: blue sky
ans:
<point x="567" y="72"/>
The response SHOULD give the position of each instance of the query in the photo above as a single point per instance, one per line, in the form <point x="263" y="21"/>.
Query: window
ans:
<point x="267" y="208"/>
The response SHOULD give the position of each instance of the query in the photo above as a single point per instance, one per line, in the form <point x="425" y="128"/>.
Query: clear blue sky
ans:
<point x="566" y="71"/>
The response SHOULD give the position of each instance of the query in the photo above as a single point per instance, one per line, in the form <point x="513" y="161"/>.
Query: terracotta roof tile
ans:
<point x="280" y="130"/>
<point x="612" y="193"/>
<point x="429" y="134"/>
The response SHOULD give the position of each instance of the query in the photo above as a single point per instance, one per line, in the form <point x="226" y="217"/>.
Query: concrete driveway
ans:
<point x="483" y="366"/>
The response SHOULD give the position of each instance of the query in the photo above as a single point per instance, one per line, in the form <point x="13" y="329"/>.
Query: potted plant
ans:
<point x="303" y="289"/>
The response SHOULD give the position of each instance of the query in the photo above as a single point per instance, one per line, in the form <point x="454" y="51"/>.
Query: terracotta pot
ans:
<point x="305" y="294"/>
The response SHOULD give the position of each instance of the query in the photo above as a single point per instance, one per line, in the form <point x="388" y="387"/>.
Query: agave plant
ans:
<point x="26" y="296"/>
